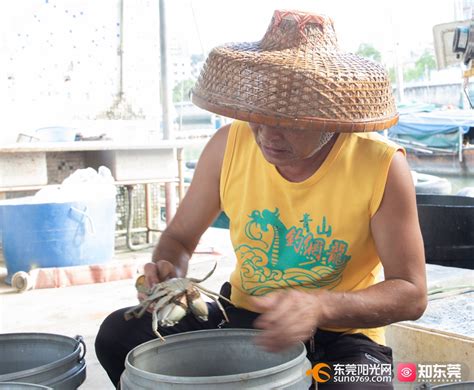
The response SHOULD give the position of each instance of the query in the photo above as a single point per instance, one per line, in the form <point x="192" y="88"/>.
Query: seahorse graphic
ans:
<point x="263" y="220"/>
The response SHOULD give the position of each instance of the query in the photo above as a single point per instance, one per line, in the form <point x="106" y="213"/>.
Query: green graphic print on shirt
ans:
<point x="283" y="257"/>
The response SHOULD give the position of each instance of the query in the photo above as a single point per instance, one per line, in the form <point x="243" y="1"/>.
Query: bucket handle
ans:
<point x="80" y="341"/>
<point x="87" y="216"/>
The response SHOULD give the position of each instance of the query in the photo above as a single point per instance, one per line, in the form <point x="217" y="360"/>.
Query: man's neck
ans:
<point x="301" y="170"/>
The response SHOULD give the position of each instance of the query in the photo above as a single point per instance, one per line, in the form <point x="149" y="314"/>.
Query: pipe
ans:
<point x="129" y="242"/>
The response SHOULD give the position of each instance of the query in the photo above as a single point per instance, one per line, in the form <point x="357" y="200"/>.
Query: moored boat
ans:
<point x="439" y="142"/>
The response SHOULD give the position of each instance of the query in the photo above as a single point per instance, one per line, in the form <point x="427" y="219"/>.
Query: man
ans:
<point x="314" y="206"/>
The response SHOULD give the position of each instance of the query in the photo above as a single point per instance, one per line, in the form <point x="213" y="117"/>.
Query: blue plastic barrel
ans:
<point x="46" y="235"/>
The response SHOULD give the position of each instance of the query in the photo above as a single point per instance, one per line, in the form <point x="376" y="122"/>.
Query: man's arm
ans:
<point x="291" y="316"/>
<point x="196" y="212"/>
<point x="396" y="231"/>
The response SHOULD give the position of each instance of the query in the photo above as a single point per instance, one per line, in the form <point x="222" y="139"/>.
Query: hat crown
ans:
<point x="296" y="77"/>
<point x="293" y="29"/>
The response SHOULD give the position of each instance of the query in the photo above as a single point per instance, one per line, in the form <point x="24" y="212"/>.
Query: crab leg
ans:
<point x="145" y="306"/>
<point x="218" y="304"/>
<point x="155" y="295"/>
<point x="137" y="311"/>
<point x="194" y="280"/>
<point x="209" y="292"/>
<point x="154" y="324"/>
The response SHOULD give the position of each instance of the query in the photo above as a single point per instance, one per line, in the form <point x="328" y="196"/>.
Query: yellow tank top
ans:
<point x="307" y="235"/>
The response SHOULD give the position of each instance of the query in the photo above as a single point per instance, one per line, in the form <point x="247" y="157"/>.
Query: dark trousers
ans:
<point x="117" y="337"/>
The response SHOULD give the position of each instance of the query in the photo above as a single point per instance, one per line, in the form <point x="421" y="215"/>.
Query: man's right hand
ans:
<point x="156" y="273"/>
<point x="159" y="272"/>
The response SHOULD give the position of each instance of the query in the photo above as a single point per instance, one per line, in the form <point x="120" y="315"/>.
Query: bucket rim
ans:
<point x="32" y="385"/>
<point x="202" y="334"/>
<point x="74" y="355"/>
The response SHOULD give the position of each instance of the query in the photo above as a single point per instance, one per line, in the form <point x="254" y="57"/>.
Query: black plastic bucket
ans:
<point x="447" y="226"/>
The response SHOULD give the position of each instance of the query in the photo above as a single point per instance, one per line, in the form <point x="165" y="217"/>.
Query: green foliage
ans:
<point x="182" y="90"/>
<point x="391" y="75"/>
<point x="413" y="74"/>
<point x="368" y="51"/>
<point x="422" y="68"/>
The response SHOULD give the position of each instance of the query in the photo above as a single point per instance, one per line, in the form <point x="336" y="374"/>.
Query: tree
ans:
<point x="426" y="62"/>
<point x="391" y="75"/>
<point x="182" y="90"/>
<point x="368" y="51"/>
<point x="422" y="68"/>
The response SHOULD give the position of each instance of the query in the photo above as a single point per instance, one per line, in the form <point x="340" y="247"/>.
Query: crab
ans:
<point x="172" y="299"/>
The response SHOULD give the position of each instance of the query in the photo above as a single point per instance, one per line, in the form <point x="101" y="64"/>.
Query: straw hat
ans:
<point x="297" y="77"/>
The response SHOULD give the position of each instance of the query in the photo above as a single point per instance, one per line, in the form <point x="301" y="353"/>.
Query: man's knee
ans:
<point x="109" y="334"/>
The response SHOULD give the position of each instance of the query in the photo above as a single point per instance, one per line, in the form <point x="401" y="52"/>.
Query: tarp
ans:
<point x="434" y="122"/>
<point x="438" y="129"/>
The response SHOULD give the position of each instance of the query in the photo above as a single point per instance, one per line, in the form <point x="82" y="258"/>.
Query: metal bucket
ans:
<point x="42" y="358"/>
<point x="214" y="359"/>
<point x="22" y="386"/>
<point x="456" y="386"/>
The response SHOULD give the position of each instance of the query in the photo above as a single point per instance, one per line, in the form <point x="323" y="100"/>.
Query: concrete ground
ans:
<point x="79" y="310"/>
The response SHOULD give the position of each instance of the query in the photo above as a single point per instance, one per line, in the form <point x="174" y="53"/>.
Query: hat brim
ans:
<point x="303" y="123"/>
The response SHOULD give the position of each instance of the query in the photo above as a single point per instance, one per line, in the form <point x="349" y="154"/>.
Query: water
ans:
<point x="459" y="182"/>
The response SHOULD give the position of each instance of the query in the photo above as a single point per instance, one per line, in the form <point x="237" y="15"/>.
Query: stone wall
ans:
<point x="445" y="94"/>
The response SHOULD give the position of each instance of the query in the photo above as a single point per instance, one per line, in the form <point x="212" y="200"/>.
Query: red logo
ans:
<point x="406" y="372"/>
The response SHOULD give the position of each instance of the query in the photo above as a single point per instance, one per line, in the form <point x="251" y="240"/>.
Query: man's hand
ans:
<point x="287" y="317"/>
<point x="157" y="272"/>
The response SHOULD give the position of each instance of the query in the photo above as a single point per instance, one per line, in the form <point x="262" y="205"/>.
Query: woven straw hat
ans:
<point x="297" y="77"/>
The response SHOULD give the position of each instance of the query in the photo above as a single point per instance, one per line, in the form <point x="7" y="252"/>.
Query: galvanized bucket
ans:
<point x="214" y="359"/>
<point x="455" y="386"/>
<point x="42" y="358"/>
<point x="22" y="386"/>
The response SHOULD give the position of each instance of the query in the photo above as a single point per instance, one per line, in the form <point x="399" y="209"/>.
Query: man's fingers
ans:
<point x="264" y="303"/>
<point x="151" y="274"/>
<point x="280" y="308"/>
<point x="141" y="296"/>
<point x="286" y="322"/>
<point x="158" y="272"/>
<point x="166" y="270"/>
<point x="279" y="339"/>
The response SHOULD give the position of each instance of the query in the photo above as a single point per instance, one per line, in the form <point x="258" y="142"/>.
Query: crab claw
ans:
<point x="196" y="304"/>
<point x="172" y="313"/>
<point x="140" y="284"/>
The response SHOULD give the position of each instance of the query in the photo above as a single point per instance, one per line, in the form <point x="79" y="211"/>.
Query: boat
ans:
<point x="438" y="141"/>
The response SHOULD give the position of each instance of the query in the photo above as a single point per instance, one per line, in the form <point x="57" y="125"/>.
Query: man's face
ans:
<point x="285" y="146"/>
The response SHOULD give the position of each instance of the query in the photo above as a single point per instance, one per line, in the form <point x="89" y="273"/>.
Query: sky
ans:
<point x="207" y="23"/>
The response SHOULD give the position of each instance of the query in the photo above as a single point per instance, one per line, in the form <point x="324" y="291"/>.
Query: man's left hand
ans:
<point x="287" y="317"/>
